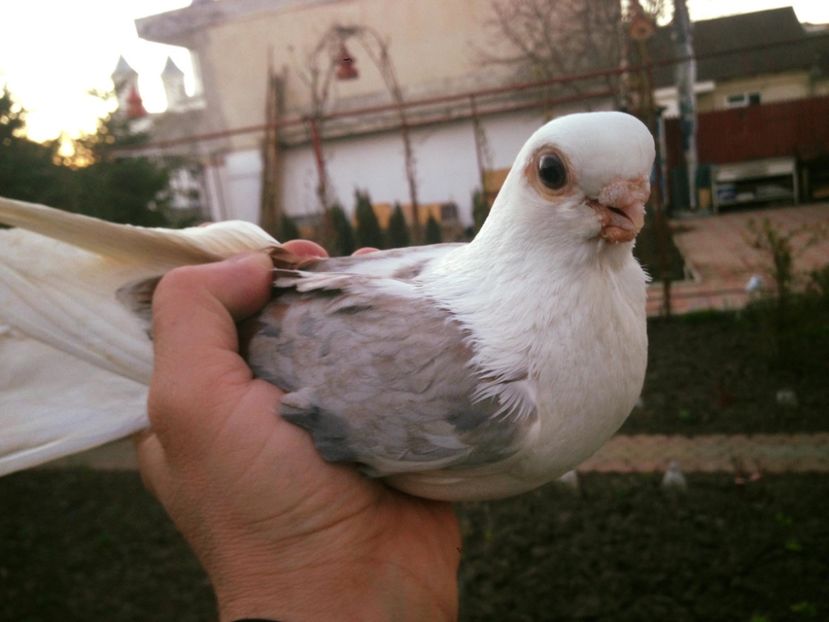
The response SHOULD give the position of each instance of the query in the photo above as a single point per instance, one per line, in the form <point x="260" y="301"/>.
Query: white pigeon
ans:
<point x="454" y="371"/>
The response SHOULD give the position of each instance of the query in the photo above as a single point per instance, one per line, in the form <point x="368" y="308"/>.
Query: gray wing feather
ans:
<point x="379" y="375"/>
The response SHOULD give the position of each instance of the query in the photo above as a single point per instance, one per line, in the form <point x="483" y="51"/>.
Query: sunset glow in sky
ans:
<point x="53" y="52"/>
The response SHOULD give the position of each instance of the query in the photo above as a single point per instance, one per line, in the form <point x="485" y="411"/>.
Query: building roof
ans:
<point x="777" y="42"/>
<point x="177" y="27"/>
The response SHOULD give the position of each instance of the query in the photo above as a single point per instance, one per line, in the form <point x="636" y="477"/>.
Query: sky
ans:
<point x="53" y="52"/>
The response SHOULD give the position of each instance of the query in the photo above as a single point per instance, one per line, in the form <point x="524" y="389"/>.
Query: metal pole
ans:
<point x="686" y="77"/>
<point x="319" y="158"/>
<point x="480" y="146"/>
<point x="660" y="224"/>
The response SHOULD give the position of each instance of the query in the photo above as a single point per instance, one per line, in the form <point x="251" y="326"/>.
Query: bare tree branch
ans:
<point x="545" y="39"/>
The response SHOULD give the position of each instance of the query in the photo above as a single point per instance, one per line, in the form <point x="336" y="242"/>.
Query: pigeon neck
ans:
<point x="514" y="239"/>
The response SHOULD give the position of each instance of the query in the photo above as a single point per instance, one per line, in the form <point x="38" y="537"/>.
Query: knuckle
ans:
<point x="176" y="281"/>
<point x="175" y="291"/>
<point x="161" y="401"/>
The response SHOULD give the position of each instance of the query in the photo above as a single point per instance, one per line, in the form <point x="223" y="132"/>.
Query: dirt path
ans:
<point x="721" y="261"/>
<point x="641" y="453"/>
<point x="767" y="453"/>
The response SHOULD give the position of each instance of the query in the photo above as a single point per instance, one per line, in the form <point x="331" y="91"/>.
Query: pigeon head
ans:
<point x="582" y="176"/>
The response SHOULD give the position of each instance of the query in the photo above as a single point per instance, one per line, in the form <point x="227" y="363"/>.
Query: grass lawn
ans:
<point x="82" y="545"/>
<point x="720" y="372"/>
<point x="624" y="550"/>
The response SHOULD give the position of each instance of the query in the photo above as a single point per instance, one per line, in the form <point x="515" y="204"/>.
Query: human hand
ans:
<point x="281" y="533"/>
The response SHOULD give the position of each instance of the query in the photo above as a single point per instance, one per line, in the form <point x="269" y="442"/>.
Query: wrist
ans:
<point x="369" y="590"/>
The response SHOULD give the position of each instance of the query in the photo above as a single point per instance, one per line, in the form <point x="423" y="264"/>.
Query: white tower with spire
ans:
<point x="173" y="79"/>
<point x="125" y="80"/>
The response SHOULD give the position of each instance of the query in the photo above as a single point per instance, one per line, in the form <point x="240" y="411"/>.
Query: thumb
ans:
<point x="197" y="368"/>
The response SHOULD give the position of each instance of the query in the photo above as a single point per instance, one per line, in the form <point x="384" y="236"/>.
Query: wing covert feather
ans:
<point x="379" y="375"/>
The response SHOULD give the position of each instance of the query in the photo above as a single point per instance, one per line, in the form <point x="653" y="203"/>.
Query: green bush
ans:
<point x="818" y="285"/>
<point x="433" y="233"/>
<point x="288" y="229"/>
<point x="784" y="316"/>
<point x="398" y="232"/>
<point x="368" y="229"/>
<point x="480" y="209"/>
<point x="342" y="243"/>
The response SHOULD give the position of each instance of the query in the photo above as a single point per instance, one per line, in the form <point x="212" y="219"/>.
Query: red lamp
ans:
<point x="345" y="65"/>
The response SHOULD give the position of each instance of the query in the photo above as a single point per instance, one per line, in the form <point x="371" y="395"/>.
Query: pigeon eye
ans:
<point x="552" y="172"/>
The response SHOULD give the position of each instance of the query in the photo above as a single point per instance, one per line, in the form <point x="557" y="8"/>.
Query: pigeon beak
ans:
<point x="620" y="208"/>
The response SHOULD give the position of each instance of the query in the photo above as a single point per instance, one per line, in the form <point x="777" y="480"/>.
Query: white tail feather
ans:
<point x="53" y="405"/>
<point x="151" y="247"/>
<point x="63" y="295"/>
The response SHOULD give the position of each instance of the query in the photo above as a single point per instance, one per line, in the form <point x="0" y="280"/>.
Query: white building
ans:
<point x="438" y="53"/>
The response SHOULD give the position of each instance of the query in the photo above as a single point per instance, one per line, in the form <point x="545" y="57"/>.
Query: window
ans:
<point x="448" y="212"/>
<point x="740" y="100"/>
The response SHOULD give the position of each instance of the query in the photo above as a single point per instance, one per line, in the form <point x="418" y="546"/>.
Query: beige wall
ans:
<point x="432" y="42"/>
<point x="772" y="88"/>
